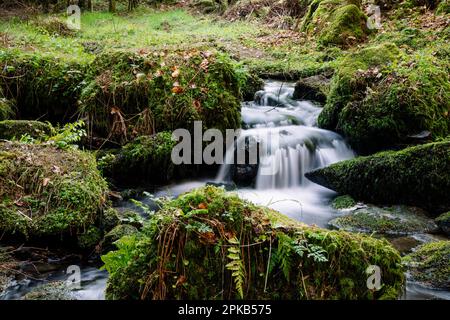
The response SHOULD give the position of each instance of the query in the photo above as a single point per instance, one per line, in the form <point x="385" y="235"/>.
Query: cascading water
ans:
<point x="293" y="146"/>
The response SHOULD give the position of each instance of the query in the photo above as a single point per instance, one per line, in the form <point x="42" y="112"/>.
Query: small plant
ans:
<point x="69" y="135"/>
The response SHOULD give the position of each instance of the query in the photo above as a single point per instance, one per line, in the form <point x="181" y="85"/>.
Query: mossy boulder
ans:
<point x="417" y="176"/>
<point x="211" y="244"/>
<point x="430" y="264"/>
<point x="42" y="86"/>
<point x="380" y="98"/>
<point x="314" y="88"/>
<point x="336" y="22"/>
<point x="145" y="160"/>
<point x="131" y="94"/>
<point x="17" y="128"/>
<point x="396" y="220"/>
<point x="45" y="191"/>
<point x="443" y="221"/>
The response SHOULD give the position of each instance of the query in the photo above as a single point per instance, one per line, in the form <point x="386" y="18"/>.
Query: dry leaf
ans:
<point x="45" y="182"/>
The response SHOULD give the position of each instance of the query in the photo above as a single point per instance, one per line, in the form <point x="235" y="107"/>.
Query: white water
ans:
<point x="300" y="147"/>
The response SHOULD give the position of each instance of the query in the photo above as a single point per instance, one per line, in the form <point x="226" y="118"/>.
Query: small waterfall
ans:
<point x="292" y="144"/>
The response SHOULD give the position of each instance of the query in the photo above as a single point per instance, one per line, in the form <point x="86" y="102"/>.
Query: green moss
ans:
<point x="42" y="86"/>
<point x="6" y="108"/>
<point x="391" y="177"/>
<point x="398" y="220"/>
<point x="379" y="98"/>
<point x="443" y="7"/>
<point x="443" y="221"/>
<point x="90" y="238"/>
<point x="210" y="244"/>
<point x="430" y="264"/>
<point x="10" y="129"/>
<point x="110" y="219"/>
<point x="147" y="159"/>
<point x="345" y="82"/>
<point x="47" y="191"/>
<point x="343" y="202"/>
<point x="335" y="22"/>
<point x="161" y="92"/>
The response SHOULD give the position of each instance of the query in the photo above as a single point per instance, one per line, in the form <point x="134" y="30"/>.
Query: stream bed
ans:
<point x="300" y="147"/>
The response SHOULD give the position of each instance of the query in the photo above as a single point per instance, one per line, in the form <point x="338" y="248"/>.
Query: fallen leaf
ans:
<point x="177" y="90"/>
<point x="45" y="182"/>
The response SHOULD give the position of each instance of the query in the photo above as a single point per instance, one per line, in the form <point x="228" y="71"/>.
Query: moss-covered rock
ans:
<point x="45" y="191"/>
<point x="42" y="86"/>
<point x="417" y="176"/>
<point x="443" y="221"/>
<point x="17" y="128"/>
<point x="397" y="220"/>
<point x="51" y="291"/>
<point x="90" y="238"/>
<point x="430" y="264"/>
<point x="110" y="219"/>
<point x="140" y="94"/>
<point x="380" y="98"/>
<point x="336" y="22"/>
<point x="314" y="88"/>
<point x="343" y="202"/>
<point x="211" y="244"/>
<point x="147" y="159"/>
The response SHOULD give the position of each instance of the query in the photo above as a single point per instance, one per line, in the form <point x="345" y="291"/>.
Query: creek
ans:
<point x="300" y="147"/>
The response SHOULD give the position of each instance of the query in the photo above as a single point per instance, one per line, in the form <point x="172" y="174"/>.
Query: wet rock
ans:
<point x="52" y="291"/>
<point x="443" y="221"/>
<point x="245" y="174"/>
<point x="312" y="88"/>
<point x="430" y="265"/>
<point x="394" y="220"/>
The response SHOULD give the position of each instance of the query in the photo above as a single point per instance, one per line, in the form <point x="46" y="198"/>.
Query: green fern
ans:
<point x="284" y="254"/>
<point x="236" y="266"/>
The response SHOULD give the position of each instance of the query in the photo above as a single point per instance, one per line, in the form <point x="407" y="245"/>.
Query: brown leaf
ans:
<point x="202" y="206"/>
<point x="45" y="181"/>
<point x="177" y="89"/>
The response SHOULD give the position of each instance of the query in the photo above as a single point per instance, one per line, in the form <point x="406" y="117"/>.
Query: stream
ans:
<point x="301" y="147"/>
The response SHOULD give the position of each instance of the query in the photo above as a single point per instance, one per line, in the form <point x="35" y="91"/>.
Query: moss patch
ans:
<point x="379" y="98"/>
<point x="335" y="22"/>
<point x="343" y="202"/>
<point x="46" y="191"/>
<point x="391" y="177"/>
<point x="399" y="220"/>
<point x="430" y="264"/>
<point x="147" y="159"/>
<point x="211" y="244"/>
<point x="141" y="94"/>
<point x="10" y="129"/>
<point x="443" y="221"/>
